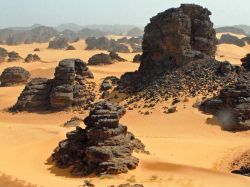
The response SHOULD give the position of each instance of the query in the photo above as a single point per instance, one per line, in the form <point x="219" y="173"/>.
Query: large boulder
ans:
<point x="32" y="58"/>
<point x="100" y="59"/>
<point x="13" y="56"/>
<point x="116" y="57"/>
<point x="103" y="147"/>
<point x="176" y="37"/>
<point x="14" y="75"/>
<point x="246" y="62"/>
<point x="69" y="89"/>
<point x="58" y="43"/>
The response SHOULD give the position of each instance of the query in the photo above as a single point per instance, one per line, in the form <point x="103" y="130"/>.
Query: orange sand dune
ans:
<point x="185" y="151"/>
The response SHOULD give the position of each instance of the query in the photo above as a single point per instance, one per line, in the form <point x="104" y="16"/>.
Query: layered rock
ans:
<point x="231" y="106"/>
<point x="3" y="54"/>
<point x="103" y="147"/>
<point x="68" y="89"/>
<point x="58" y="43"/>
<point x="246" y="62"/>
<point x="13" y="57"/>
<point x="100" y="59"/>
<point x="176" y="37"/>
<point x="14" y="75"/>
<point x="32" y="58"/>
<point x="35" y="96"/>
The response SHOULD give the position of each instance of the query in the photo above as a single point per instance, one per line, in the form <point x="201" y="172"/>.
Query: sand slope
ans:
<point x="185" y="151"/>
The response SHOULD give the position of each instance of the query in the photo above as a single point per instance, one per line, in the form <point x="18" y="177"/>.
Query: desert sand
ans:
<point x="185" y="150"/>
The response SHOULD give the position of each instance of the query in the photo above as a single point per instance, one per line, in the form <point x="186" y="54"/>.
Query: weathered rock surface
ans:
<point x="58" y="43"/>
<point x="13" y="57"/>
<point x="14" y="75"/>
<point x="68" y="89"/>
<point x="246" y="62"/>
<point x="230" y="39"/>
<point x="100" y="59"/>
<point x="32" y="58"/>
<point x="176" y="37"/>
<point x="103" y="147"/>
<point x="231" y="106"/>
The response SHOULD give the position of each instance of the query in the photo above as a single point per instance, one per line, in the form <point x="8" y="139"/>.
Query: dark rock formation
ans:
<point x="116" y="57"/>
<point x="246" y="62"/>
<point x="176" y="37"/>
<point x="103" y="147"/>
<point x="73" y="122"/>
<point x="32" y="58"/>
<point x="100" y="59"/>
<point x="68" y="89"/>
<point x="120" y="48"/>
<point x="3" y="54"/>
<point x="13" y="57"/>
<point x="70" y="35"/>
<point x="14" y="75"/>
<point x="137" y="58"/>
<point x="58" y="43"/>
<point x="70" y="47"/>
<point x="230" y="39"/>
<point x="35" y="96"/>
<point x="36" y="49"/>
<point x="107" y="84"/>
<point x="231" y="106"/>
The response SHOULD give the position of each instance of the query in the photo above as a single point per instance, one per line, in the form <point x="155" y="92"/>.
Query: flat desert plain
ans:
<point x="185" y="150"/>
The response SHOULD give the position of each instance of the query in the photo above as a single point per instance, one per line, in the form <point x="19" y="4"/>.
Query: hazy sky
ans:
<point x="135" y="12"/>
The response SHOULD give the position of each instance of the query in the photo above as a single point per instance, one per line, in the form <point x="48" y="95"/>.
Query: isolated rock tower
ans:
<point x="176" y="37"/>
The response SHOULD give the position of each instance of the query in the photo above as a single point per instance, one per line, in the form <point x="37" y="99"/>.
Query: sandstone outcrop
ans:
<point x="100" y="59"/>
<point x="13" y="56"/>
<point x="69" y="89"/>
<point x="32" y="58"/>
<point x="176" y="37"/>
<point x="103" y="147"/>
<point x="229" y="39"/>
<point x="58" y="43"/>
<point x="231" y="106"/>
<point x="13" y="76"/>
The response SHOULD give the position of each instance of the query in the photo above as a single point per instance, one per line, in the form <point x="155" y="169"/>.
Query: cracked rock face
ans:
<point x="13" y="76"/>
<point x="68" y="89"/>
<point x="103" y="147"/>
<point x="246" y="62"/>
<point x="176" y="37"/>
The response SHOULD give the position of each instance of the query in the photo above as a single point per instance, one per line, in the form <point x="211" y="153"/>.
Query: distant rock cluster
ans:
<point x="103" y="147"/>
<point x="230" y="39"/>
<point x="13" y="56"/>
<point x="120" y="45"/>
<point x="68" y="89"/>
<point x="105" y="59"/>
<point x="14" y="76"/>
